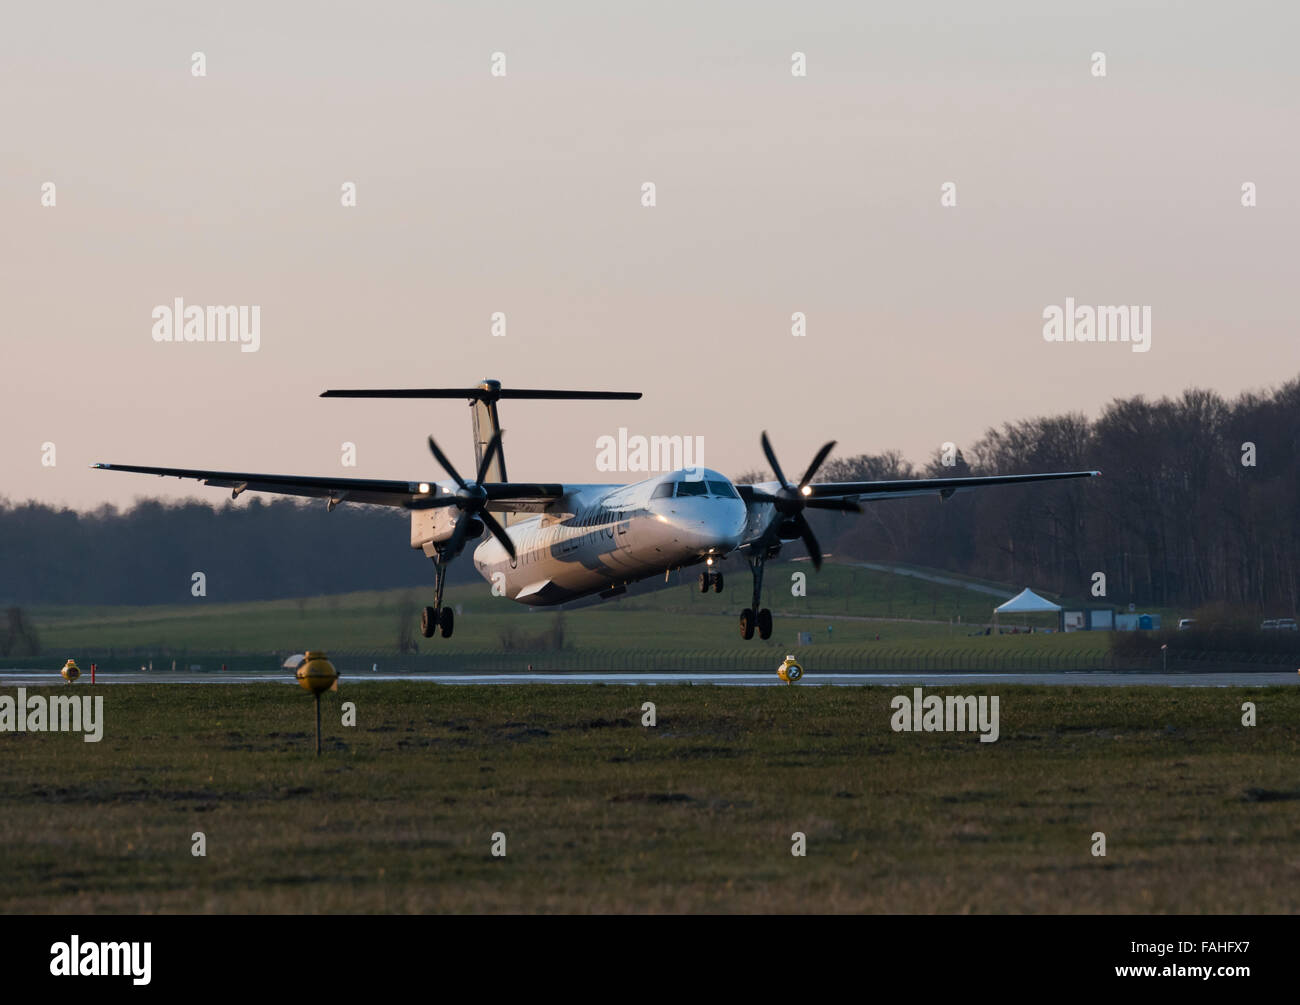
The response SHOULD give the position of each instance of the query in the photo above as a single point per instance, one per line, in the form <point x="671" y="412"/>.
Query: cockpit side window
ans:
<point x="664" y="491"/>
<point x="723" y="489"/>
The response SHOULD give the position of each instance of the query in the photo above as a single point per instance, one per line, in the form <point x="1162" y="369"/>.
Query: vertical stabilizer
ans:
<point x="486" y="424"/>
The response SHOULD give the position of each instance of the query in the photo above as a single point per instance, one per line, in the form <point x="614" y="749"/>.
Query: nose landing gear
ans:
<point x="708" y="579"/>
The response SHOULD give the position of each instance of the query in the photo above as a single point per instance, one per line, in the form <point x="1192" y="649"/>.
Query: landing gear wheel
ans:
<point x="704" y="582"/>
<point x="764" y="624"/>
<point x="717" y="582"/>
<point x="428" y="622"/>
<point x="447" y="622"/>
<point x="747" y="624"/>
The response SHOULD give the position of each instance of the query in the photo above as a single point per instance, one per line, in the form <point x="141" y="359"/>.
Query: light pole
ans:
<point x="316" y="674"/>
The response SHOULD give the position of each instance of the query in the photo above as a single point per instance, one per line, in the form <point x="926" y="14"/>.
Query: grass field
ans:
<point x="600" y="813"/>
<point x="674" y="619"/>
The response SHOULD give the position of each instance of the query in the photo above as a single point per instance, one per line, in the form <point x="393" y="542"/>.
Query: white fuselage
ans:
<point x="611" y="535"/>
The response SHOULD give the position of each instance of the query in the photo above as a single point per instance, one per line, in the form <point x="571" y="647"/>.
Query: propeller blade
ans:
<point x="493" y="446"/>
<point x="816" y="463"/>
<point x="843" y="505"/>
<point x="809" y="540"/>
<point x="457" y="540"/>
<point x="771" y="459"/>
<point x="426" y="502"/>
<point x="498" y="531"/>
<point x="446" y="464"/>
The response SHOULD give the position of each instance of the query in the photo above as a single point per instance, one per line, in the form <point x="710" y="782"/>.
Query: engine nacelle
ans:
<point x="788" y="530"/>
<point x="434" y="526"/>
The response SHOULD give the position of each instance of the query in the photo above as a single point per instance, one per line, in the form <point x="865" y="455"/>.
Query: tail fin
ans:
<point x="486" y="424"/>
<point x="483" y="400"/>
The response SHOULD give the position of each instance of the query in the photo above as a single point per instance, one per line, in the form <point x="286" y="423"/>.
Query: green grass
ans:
<point x="675" y="619"/>
<point x="695" y="814"/>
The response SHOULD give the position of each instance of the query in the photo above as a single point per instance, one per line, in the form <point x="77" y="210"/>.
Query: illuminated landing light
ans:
<point x="424" y="488"/>
<point x="806" y="490"/>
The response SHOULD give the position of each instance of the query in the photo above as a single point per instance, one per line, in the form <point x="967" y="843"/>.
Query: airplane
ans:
<point x="560" y="542"/>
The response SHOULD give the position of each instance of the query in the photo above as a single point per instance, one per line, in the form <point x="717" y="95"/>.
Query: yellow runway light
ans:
<point x="790" y="671"/>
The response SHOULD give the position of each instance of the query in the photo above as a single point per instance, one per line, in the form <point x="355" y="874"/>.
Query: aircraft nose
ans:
<point x="710" y="526"/>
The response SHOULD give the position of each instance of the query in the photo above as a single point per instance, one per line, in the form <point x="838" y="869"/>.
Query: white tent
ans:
<point x="1026" y="602"/>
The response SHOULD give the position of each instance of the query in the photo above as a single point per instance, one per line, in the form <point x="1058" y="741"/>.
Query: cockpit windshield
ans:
<point x="695" y="487"/>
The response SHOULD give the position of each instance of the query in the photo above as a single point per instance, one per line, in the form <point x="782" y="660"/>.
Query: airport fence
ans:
<point x="756" y="659"/>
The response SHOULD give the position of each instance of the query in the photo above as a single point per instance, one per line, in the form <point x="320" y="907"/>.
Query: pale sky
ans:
<point x="522" y="194"/>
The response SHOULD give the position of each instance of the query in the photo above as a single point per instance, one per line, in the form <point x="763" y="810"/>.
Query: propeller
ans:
<point x="471" y="498"/>
<point x="791" y="500"/>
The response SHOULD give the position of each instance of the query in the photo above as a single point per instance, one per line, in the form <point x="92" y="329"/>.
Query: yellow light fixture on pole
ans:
<point x="316" y="674"/>
<point x="790" y="671"/>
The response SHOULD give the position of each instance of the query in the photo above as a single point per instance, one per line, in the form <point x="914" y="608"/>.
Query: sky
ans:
<point x="522" y="193"/>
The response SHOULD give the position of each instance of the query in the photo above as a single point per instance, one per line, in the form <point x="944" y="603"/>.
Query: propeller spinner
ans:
<point x="791" y="500"/>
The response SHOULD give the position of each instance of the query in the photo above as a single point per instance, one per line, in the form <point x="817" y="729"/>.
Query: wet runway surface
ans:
<point x="1086" y="678"/>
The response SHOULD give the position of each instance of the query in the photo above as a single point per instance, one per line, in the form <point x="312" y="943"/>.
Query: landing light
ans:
<point x="806" y="490"/>
<point x="424" y="486"/>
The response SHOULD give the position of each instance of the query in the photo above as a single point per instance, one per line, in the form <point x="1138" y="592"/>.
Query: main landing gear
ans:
<point x="755" y="617"/>
<point x="710" y="578"/>
<point x="438" y="618"/>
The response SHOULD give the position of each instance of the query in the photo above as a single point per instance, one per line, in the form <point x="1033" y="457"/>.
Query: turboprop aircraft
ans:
<point x="558" y="542"/>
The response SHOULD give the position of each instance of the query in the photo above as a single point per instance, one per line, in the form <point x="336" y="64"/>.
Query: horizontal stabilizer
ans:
<point x="483" y="393"/>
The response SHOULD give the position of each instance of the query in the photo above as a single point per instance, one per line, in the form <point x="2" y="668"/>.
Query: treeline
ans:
<point x="256" y="550"/>
<point x="1198" y="504"/>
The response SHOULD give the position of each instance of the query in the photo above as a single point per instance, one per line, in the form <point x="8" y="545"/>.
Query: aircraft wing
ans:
<point x="904" y="487"/>
<point x="374" y="491"/>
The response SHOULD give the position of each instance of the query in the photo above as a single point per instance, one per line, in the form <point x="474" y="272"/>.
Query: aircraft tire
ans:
<point x="717" y="583"/>
<point x="428" y="622"/>
<point x="747" y="624"/>
<point x="447" y="622"/>
<point x="704" y="582"/>
<point x="764" y="624"/>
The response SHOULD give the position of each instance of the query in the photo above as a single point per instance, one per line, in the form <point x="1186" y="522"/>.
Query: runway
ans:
<point x="1084" y="678"/>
